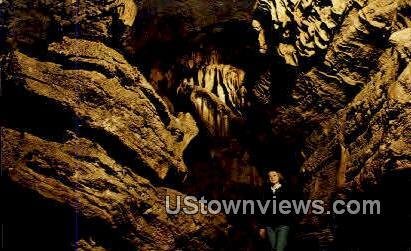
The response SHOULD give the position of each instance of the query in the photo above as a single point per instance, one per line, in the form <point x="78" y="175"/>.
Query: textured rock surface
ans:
<point x="34" y="24"/>
<point x="218" y="95"/>
<point x="366" y="141"/>
<point x="79" y="173"/>
<point x="304" y="29"/>
<point x="330" y="85"/>
<point x="83" y="245"/>
<point x="318" y="89"/>
<point x="109" y="115"/>
<point x="123" y="107"/>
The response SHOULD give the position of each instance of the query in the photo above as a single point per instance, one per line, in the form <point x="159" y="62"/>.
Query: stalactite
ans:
<point x="226" y="84"/>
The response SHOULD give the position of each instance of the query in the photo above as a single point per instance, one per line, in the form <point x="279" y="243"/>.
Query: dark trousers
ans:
<point x="278" y="236"/>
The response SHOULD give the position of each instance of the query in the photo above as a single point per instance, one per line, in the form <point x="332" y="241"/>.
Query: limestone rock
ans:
<point x="80" y="173"/>
<point x="110" y="99"/>
<point x="330" y="85"/>
<point x="364" y="142"/>
<point x="320" y="89"/>
<point x="37" y="23"/>
<point x="402" y="41"/>
<point x="83" y="245"/>
<point x="218" y="95"/>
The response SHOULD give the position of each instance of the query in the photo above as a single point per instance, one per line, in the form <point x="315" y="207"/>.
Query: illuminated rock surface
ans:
<point x="112" y="105"/>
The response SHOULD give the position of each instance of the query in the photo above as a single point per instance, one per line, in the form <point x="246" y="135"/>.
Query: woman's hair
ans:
<point x="280" y="175"/>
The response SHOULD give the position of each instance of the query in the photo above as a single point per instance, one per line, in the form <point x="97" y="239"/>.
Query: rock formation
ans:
<point x="117" y="133"/>
<point x="80" y="173"/>
<point x="113" y="105"/>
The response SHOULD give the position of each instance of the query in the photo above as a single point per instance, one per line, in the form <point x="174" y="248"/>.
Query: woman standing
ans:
<point x="275" y="226"/>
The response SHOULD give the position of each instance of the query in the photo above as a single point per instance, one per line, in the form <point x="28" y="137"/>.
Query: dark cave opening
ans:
<point x="30" y="221"/>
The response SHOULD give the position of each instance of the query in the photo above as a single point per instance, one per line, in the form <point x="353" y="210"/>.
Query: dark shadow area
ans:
<point x="32" y="222"/>
<point x="388" y="231"/>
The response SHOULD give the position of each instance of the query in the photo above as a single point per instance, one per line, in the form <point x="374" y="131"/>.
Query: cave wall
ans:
<point x="112" y="105"/>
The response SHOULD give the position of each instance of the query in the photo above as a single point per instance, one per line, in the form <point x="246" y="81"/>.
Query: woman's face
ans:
<point x="273" y="177"/>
